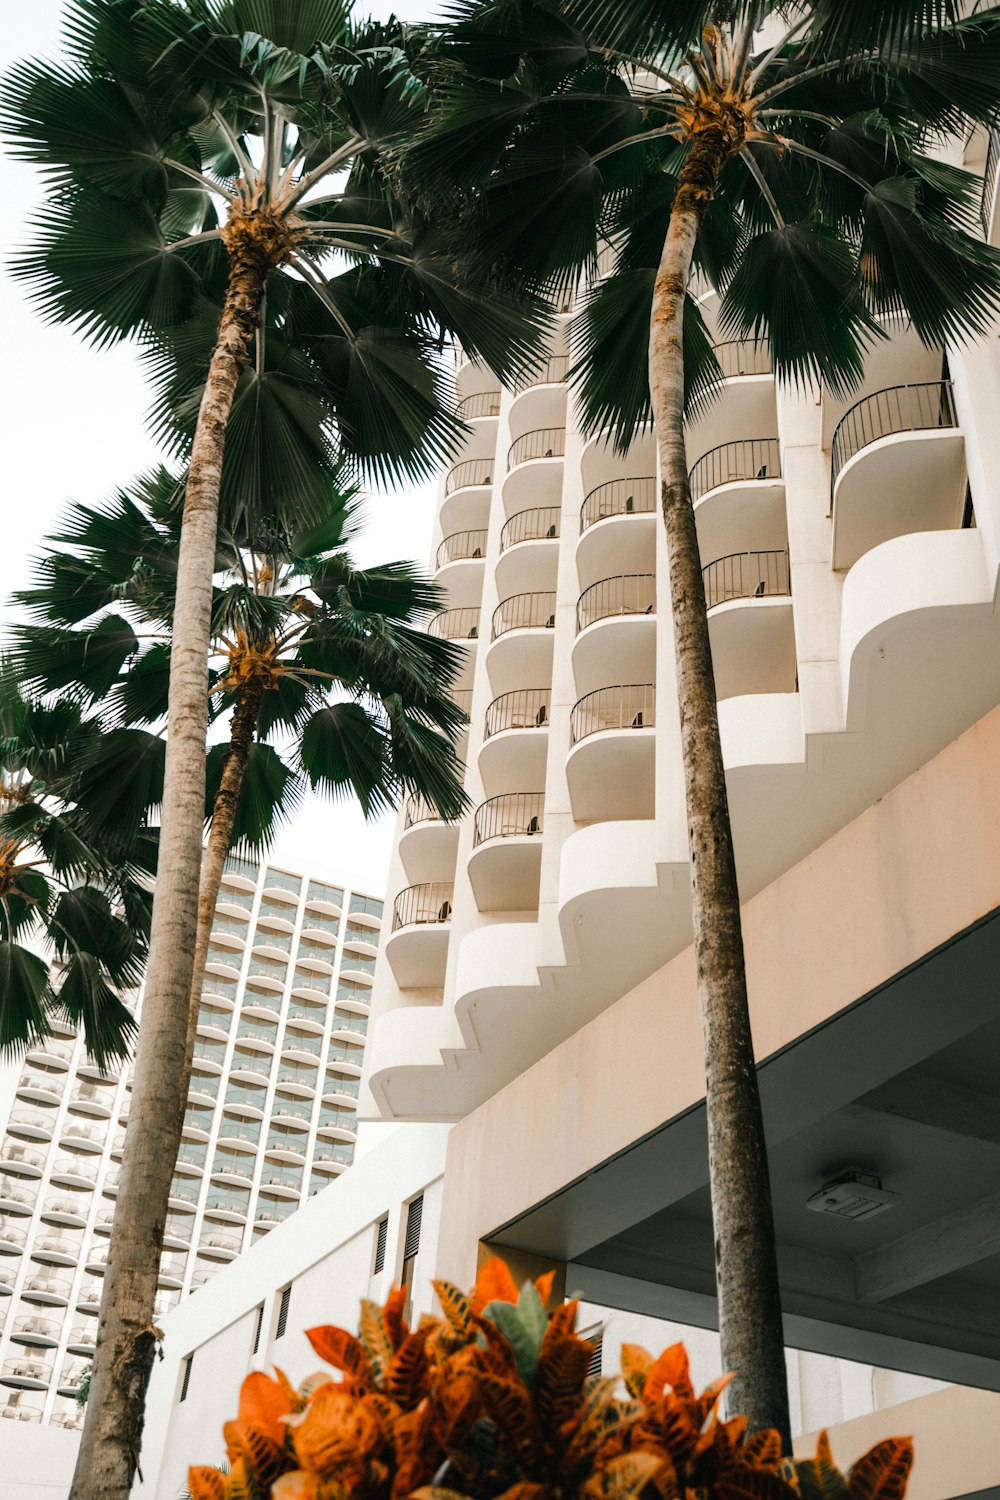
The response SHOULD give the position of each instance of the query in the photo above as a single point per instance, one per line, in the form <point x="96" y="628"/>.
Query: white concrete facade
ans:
<point x="271" y="1119"/>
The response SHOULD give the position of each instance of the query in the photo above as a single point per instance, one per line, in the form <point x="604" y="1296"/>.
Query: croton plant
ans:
<point x="493" y="1401"/>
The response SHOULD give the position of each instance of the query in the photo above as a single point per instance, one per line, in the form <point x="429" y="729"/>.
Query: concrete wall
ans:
<point x="36" y="1463"/>
<point x="326" y="1254"/>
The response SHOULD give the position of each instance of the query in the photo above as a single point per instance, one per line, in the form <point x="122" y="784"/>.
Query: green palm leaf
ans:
<point x="24" y="989"/>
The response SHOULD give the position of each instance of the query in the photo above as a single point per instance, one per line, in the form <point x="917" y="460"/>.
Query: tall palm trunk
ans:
<point x="220" y="836"/>
<point x="126" y="1337"/>
<point x="746" y="1263"/>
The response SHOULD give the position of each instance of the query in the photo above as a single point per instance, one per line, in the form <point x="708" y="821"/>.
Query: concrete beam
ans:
<point x="921" y="1099"/>
<point x="961" y="1238"/>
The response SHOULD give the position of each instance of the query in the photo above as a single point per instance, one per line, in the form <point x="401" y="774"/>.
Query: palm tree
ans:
<point x="67" y="886"/>
<point x="783" y="157"/>
<point x="325" y="677"/>
<point x="213" y="169"/>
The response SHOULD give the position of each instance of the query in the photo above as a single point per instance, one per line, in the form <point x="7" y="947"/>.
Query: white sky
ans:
<point x="76" y="430"/>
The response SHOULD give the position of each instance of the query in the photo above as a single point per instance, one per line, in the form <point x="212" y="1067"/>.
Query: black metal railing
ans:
<point x="631" y="594"/>
<point x="746" y="575"/>
<point x="750" y="458"/>
<point x="471" y="471"/>
<point x="743" y="357"/>
<point x="461" y="546"/>
<point x="418" y="810"/>
<point x="991" y="170"/>
<point x="552" y="372"/>
<point x="631" y="706"/>
<point x="423" y="905"/>
<point x="537" y="525"/>
<point x="455" y="624"/>
<point x="618" y="497"/>
<point x="527" y="708"/>
<point x="899" y="408"/>
<point x="543" y="442"/>
<point x="524" y="612"/>
<point x="482" y="404"/>
<point x="511" y="815"/>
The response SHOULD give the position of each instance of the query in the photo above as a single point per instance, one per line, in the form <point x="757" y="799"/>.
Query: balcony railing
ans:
<point x="43" y="1328"/>
<point x="900" y="408"/>
<point x="455" y="625"/>
<point x="482" y="404"/>
<point x="631" y="706"/>
<point x="538" y="525"/>
<point x="552" y="372"/>
<point x="524" y="612"/>
<point x="511" y="815"/>
<point x="472" y="471"/>
<point x="746" y="575"/>
<point x="618" y="497"/>
<point x="750" y="458"/>
<point x="527" y="708"/>
<point x="543" y="442"/>
<point x="743" y="357"/>
<point x="631" y="594"/>
<point x="419" y="810"/>
<point x="311" y="980"/>
<point x="421" y="905"/>
<point x="24" y="1156"/>
<point x="461" y="546"/>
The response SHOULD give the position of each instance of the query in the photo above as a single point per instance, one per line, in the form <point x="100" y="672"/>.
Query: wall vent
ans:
<point x="382" y="1235"/>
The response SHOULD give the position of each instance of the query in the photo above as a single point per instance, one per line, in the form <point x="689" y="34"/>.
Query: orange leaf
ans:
<point x="629" y="1475"/>
<point x="206" y="1484"/>
<point x="881" y="1474"/>
<point x="265" y="1403"/>
<point x="298" y="1485"/>
<point x="510" y="1405"/>
<point x="763" y="1449"/>
<point x="375" y="1338"/>
<point x="563" y="1361"/>
<point x="636" y="1365"/>
<point x="336" y="1432"/>
<point x="494" y="1284"/>
<point x="406" y="1377"/>
<point x="342" y="1350"/>
<point x="544" y="1285"/>
<point x="671" y="1369"/>
<point x="264" y="1458"/>
<point x="395" y="1324"/>
<point x="524" y="1491"/>
<point x="455" y="1305"/>
<point x="751" y="1484"/>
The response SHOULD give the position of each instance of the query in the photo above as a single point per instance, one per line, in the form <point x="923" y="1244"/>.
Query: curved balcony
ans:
<point x="12" y="1236"/>
<point x="331" y="1160"/>
<point x="245" y="1103"/>
<point x="28" y="1374"/>
<point x="7" y="1280"/>
<point x="616" y="631"/>
<point x="20" y="1160"/>
<point x="466" y="502"/>
<point x="339" y="1124"/>
<point x="89" y="1294"/>
<point x="82" y="1338"/>
<point x="65" y="1212"/>
<point x="740" y="462"/>
<point x="33" y="1330"/>
<point x="541" y="442"/>
<point x="253" y="1069"/>
<point x="417" y="946"/>
<point x="515" y="739"/>
<point x="552" y="371"/>
<point x="208" y="1058"/>
<point x="52" y="1250"/>
<point x="91" y="1099"/>
<point x="481" y="404"/>
<point x="70" y="1381"/>
<point x="472" y="473"/>
<point x="617" y="529"/>
<point x="521" y="640"/>
<point x="744" y="393"/>
<point x="299" y="1080"/>
<point x="455" y="625"/>
<point x="40" y="1088"/>
<point x="528" y="556"/>
<point x="85" y="1138"/>
<point x="505" y="862"/>
<point x="75" y="1172"/>
<point x="31" y="1124"/>
<point x="281" y="1182"/>
<point x="46" y="1290"/>
<point x="50" y="1054"/>
<point x="15" y="1410"/>
<point x="15" y="1198"/>
<point x="738" y="357"/>
<point x="748" y="597"/>
<point x="461" y="546"/>
<point x="256" y="1036"/>
<point x="427" y="845"/>
<point x="228" y="1207"/>
<point x="898" y="466"/>
<point x="221" y="1247"/>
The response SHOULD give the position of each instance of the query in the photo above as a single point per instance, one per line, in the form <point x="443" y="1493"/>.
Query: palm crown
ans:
<point x="177" y="135"/>
<point x="70" y="889"/>
<point x="828" y="207"/>
<point x="330" y="658"/>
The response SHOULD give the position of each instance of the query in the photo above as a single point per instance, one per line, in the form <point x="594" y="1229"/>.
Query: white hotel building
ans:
<point x="536" y="1036"/>
<point x="271" y="1119"/>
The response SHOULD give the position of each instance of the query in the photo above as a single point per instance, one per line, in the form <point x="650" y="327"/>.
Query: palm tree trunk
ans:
<point x="220" y="836"/>
<point x="746" y="1264"/>
<point x="126" y="1337"/>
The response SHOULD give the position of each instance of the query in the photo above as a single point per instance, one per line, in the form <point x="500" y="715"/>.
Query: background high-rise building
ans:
<point x="271" y="1119"/>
